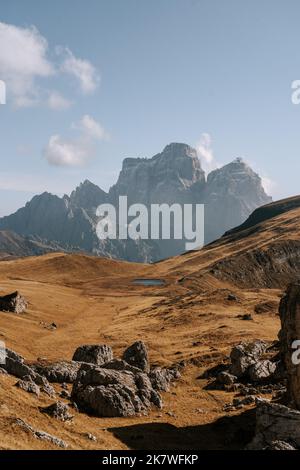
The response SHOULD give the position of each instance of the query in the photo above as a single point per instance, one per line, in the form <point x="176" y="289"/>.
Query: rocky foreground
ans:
<point x="105" y="386"/>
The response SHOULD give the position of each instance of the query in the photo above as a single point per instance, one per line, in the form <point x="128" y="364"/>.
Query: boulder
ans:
<point x="137" y="356"/>
<point x="58" y="410"/>
<point x="28" y="385"/>
<point x="275" y="422"/>
<point x="262" y="370"/>
<point x="94" y="354"/>
<point x="225" y="378"/>
<point x="59" y="372"/>
<point x="112" y="393"/>
<point x="161" y="378"/>
<point x="14" y="302"/>
<point x="245" y="355"/>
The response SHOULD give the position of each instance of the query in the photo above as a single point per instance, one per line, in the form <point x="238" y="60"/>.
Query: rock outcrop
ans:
<point x="245" y="355"/>
<point x="289" y="310"/>
<point x="112" y="393"/>
<point x="275" y="423"/>
<point x="14" y="302"/>
<point x="93" y="354"/>
<point x="136" y="355"/>
<point x="59" y="372"/>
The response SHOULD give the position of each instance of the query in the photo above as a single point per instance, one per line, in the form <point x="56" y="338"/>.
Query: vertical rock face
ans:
<point x="231" y="194"/>
<point x="165" y="178"/>
<point x="289" y="310"/>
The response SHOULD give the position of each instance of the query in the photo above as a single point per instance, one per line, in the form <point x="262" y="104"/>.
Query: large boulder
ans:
<point x="15" y="365"/>
<point x="245" y="355"/>
<point x="59" y="372"/>
<point x="93" y="354"/>
<point x="112" y="393"/>
<point x="275" y="422"/>
<point x="14" y="302"/>
<point x="137" y="356"/>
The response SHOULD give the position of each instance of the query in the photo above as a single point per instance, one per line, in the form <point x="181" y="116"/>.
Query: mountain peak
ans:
<point x="87" y="195"/>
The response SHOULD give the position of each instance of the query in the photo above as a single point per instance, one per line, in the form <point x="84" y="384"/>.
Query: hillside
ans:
<point x="190" y="320"/>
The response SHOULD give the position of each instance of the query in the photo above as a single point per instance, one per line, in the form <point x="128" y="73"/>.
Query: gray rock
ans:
<point x="58" y="410"/>
<point x="262" y="370"/>
<point x="245" y="355"/>
<point x="94" y="354"/>
<point x="119" y="364"/>
<point x="137" y="355"/>
<point x="161" y="378"/>
<point x="59" y="372"/>
<point x="14" y="302"/>
<point x="275" y="422"/>
<point x="28" y="385"/>
<point x="226" y="379"/>
<point x="279" y="445"/>
<point x="111" y="393"/>
<point x="41" y="434"/>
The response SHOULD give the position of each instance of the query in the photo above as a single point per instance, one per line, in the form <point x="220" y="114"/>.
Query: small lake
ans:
<point x="149" y="282"/>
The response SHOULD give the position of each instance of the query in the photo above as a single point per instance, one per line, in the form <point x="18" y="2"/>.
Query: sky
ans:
<point x="89" y="83"/>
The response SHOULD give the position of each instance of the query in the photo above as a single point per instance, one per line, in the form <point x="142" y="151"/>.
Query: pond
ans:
<point x="149" y="282"/>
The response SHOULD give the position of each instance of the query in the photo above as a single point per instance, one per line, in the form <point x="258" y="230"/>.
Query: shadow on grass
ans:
<point x="228" y="432"/>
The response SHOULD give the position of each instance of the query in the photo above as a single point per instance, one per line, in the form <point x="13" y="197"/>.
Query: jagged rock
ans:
<point x="119" y="364"/>
<point x="275" y="422"/>
<point x="111" y="393"/>
<point x="262" y="370"/>
<point x="14" y="365"/>
<point x="226" y="378"/>
<point x="137" y="356"/>
<point x="279" y="445"/>
<point x="289" y="311"/>
<point x="58" y="410"/>
<point x="248" y="400"/>
<point x="59" y="372"/>
<point x="14" y="302"/>
<point x="28" y="385"/>
<point x="3" y="371"/>
<point x="41" y="434"/>
<point x="161" y="378"/>
<point x="94" y="354"/>
<point x="245" y="355"/>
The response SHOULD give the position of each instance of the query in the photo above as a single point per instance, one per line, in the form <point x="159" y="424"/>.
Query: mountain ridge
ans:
<point x="174" y="175"/>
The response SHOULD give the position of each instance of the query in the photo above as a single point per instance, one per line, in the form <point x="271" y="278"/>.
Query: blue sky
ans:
<point x="89" y="83"/>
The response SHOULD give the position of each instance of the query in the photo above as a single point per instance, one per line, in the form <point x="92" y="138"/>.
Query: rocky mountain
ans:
<point x="231" y="194"/>
<point x="175" y="175"/>
<point x="13" y="245"/>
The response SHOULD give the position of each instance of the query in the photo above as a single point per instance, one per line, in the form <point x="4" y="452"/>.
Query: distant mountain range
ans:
<point x="50" y="223"/>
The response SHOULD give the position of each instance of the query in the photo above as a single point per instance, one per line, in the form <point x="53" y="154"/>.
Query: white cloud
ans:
<point x="56" y="101"/>
<point x="23" y="59"/>
<point x="72" y="153"/>
<point x="75" y="152"/>
<point x="81" y="69"/>
<point x="24" y="63"/>
<point x="268" y="185"/>
<point x="90" y="127"/>
<point x="205" y="152"/>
